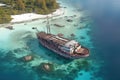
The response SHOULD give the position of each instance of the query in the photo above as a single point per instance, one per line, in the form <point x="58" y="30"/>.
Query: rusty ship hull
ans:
<point x="62" y="46"/>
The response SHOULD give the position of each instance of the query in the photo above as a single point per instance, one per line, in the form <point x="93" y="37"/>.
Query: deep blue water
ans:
<point x="106" y="34"/>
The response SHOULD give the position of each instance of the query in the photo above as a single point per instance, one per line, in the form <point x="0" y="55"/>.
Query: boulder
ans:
<point x="28" y="58"/>
<point x="46" y="67"/>
<point x="10" y="27"/>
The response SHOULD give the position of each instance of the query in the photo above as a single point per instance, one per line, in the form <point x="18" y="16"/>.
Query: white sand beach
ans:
<point x="1" y="4"/>
<point x="34" y="16"/>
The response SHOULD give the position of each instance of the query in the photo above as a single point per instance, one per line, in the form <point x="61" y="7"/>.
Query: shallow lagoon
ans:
<point x="22" y="41"/>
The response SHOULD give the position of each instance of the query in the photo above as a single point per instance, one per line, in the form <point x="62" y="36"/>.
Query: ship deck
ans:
<point x="54" y="38"/>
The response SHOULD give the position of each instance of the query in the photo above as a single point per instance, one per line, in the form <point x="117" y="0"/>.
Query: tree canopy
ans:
<point x="26" y="6"/>
<point x="32" y="5"/>
<point x="4" y="17"/>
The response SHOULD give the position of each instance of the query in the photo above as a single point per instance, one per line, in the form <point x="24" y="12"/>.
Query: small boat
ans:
<point x="58" y="25"/>
<point x="10" y="27"/>
<point x="69" y="20"/>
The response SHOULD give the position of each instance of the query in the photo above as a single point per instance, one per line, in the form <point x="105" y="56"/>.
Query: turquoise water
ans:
<point x="22" y="41"/>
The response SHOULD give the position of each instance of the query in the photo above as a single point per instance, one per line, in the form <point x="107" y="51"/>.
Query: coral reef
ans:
<point x="27" y="58"/>
<point x="46" y="67"/>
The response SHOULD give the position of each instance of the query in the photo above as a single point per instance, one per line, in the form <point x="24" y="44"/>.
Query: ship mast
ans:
<point x="48" y="26"/>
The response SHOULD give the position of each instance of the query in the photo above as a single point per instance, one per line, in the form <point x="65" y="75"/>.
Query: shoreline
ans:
<point x="28" y="17"/>
<point x="63" y="11"/>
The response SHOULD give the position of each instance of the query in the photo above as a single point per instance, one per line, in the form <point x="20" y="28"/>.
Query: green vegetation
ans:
<point x="26" y="6"/>
<point x="4" y="17"/>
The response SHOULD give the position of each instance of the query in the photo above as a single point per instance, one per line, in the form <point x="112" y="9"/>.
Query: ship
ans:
<point x="64" y="47"/>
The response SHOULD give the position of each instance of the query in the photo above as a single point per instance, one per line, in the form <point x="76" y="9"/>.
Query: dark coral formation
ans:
<point x="82" y="37"/>
<point x="49" y="70"/>
<point x="46" y="67"/>
<point x="27" y="58"/>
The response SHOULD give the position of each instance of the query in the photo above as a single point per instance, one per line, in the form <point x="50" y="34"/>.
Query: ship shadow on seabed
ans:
<point x="45" y="53"/>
